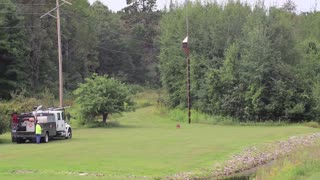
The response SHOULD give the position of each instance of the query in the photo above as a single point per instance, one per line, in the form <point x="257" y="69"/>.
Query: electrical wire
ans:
<point x="112" y="32"/>
<point x="69" y="13"/>
<point x="83" y="42"/>
<point x="19" y="4"/>
<point x="111" y="50"/>
<point x="18" y="27"/>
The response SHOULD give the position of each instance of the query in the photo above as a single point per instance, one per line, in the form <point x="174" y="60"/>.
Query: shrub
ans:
<point x="134" y="88"/>
<point x="20" y="103"/>
<point x="145" y="99"/>
<point x="312" y="124"/>
<point x="3" y="124"/>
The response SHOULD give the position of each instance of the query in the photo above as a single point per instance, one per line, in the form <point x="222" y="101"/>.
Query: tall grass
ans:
<point x="312" y="124"/>
<point x="304" y="164"/>
<point x="180" y="115"/>
<point x="146" y="98"/>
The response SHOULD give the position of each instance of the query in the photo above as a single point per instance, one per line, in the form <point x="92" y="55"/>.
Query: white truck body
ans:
<point x="52" y="122"/>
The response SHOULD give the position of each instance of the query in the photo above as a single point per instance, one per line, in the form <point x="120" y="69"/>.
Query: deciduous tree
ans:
<point x="101" y="95"/>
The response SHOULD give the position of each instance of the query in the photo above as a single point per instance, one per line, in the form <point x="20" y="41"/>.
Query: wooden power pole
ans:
<point x="57" y="8"/>
<point x="60" y="56"/>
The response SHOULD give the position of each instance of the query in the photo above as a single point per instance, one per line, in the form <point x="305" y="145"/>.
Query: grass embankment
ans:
<point x="304" y="164"/>
<point x="145" y="144"/>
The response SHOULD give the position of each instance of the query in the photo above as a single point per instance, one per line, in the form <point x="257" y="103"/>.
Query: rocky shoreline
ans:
<point x="252" y="158"/>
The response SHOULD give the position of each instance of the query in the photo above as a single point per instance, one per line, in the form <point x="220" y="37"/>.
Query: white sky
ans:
<point x="302" y="5"/>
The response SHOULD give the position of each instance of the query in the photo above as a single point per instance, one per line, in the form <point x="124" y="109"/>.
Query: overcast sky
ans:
<point x="302" y="5"/>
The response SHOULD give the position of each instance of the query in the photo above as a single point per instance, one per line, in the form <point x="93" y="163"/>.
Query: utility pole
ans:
<point x="185" y="45"/>
<point x="57" y="8"/>
<point x="60" y="55"/>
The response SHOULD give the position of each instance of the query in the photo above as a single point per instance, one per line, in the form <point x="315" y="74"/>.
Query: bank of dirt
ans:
<point x="242" y="165"/>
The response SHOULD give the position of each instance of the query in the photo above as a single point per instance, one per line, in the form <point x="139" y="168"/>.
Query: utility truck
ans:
<point x="52" y="121"/>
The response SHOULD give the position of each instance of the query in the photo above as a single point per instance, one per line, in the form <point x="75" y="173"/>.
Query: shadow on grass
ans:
<point x="108" y="125"/>
<point x="53" y="140"/>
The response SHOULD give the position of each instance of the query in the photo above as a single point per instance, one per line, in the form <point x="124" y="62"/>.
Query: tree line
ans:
<point x="252" y="63"/>
<point x="94" y="40"/>
<point x="255" y="63"/>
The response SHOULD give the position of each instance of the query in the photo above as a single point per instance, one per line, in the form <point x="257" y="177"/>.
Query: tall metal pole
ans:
<point x="188" y="65"/>
<point x="60" y="55"/>
<point x="188" y="87"/>
<point x="185" y="45"/>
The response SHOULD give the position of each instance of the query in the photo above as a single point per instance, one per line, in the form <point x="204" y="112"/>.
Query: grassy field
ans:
<point x="145" y="145"/>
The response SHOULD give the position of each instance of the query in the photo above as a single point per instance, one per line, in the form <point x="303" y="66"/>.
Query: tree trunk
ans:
<point x="104" y="117"/>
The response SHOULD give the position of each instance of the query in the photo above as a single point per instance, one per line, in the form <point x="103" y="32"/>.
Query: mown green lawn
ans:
<point x="146" y="144"/>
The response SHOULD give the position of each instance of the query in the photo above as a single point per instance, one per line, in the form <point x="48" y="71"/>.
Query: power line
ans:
<point x="22" y="12"/>
<point x="57" y="9"/>
<point x="26" y="13"/>
<point x="81" y="42"/>
<point x="18" y="27"/>
<point x="19" y="4"/>
<point x="112" y="32"/>
<point x="87" y="22"/>
<point x="69" y="13"/>
<point x="111" y="50"/>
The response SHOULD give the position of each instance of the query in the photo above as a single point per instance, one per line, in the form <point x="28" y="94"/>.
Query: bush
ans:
<point x="3" y="124"/>
<point x="265" y="123"/>
<point x="15" y="106"/>
<point x="312" y="124"/>
<point x="134" y="88"/>
<point x="20" y="103"/>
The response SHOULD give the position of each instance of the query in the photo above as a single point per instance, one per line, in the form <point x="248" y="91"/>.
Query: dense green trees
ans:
<point x="10" y="49"/>
<point x="94" y="40"/>
<point x="252" y="63"/>
<point x="249" y="64"/>
<point x="141" y="19"/>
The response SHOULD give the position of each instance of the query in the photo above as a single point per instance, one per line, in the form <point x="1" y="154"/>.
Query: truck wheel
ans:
<point x="46" y="138"/>
<point x="69" y="134"/>
<point x="19" y="140"/>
